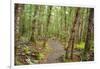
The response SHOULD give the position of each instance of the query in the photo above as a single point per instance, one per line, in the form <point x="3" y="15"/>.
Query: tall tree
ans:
<point x="34" y="24"/>
<point x="88" y="37"/>
<point x="71" y="41"/>
<point x="49" y="9"/>
<point x="18" y="11"/>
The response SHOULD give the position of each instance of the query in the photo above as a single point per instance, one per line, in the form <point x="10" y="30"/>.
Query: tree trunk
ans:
<point x="18" y="11"/>
<point x="88" y="37"/>
<point x="48" y="17"/>
<point x="71" y="41"/>
<point x="33" y="24"/>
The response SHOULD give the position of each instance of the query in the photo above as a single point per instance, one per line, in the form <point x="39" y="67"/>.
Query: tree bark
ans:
<point x="18" y="11"/>
<point x="71" y="41"/>
<point x="88" y="37"/>
<point x="33" y="24"/>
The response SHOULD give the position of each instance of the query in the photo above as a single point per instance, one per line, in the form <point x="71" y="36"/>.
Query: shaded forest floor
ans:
<point x="53" y="52"/>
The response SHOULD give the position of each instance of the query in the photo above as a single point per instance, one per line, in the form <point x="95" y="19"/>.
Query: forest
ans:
<point x="53" y="34"/>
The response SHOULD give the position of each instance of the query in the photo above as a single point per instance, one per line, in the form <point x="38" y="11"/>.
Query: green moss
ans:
<point x="80" y="45"/>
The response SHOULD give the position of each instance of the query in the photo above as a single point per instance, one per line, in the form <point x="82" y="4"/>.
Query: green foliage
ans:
<point x="40" y="56"/>
<point x="26" y="50"/>
<point x="81" y="45"/>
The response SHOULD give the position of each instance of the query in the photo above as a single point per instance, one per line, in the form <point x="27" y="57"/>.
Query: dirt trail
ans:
<point x="56" y="55"/>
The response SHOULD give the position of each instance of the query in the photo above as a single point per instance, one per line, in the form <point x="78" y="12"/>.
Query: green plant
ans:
<point x="40" y="56"/>
<point x="26" y="50"/>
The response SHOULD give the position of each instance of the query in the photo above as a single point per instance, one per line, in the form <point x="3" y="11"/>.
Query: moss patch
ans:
<point x="81" y="45"/>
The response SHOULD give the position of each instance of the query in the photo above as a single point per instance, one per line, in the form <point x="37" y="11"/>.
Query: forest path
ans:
<point x="57" y="52"/>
